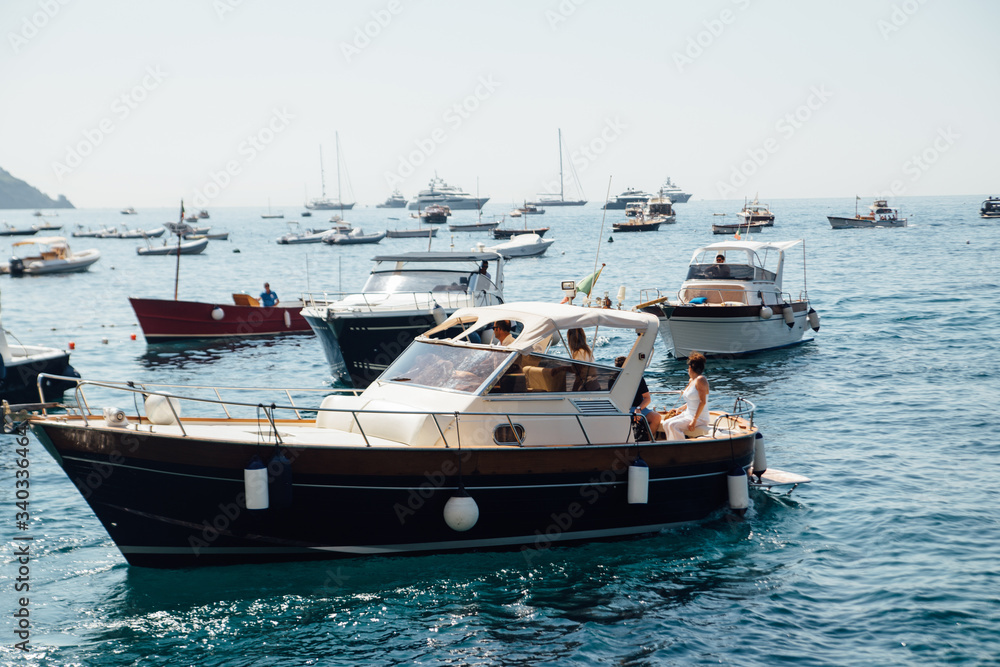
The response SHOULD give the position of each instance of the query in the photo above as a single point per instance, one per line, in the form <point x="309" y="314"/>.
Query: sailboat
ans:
<point x="550" y="199"/>
<point x="324" y="204"/>
<point x="269" y="215"/>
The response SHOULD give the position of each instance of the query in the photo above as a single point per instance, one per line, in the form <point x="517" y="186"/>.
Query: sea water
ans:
<point x="889" y="556"/>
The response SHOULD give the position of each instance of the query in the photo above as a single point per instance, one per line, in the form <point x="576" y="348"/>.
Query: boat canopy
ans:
<point x="754" y="246"/>
<point x="541" y="320"/>
<point x="42" y="240"/>
<point x="438" y="257"/>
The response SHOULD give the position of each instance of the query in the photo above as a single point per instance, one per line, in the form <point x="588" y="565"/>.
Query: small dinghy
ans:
<point x="354" y="236"/>
<point x="194" y="247"/>
<point x="522" y="245"/>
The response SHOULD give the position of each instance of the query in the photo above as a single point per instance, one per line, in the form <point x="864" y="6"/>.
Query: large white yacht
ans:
<point x="439" y="192"/>
<point x="670" y="189"/>
<point x="630" y="196"/>
<point x="395" y="200"/>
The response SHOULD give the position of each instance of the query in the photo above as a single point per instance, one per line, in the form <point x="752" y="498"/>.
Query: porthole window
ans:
<point x="505" y="435"/>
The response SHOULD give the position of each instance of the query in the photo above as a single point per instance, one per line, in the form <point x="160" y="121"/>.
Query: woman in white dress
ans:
<point x="695" y="395"/>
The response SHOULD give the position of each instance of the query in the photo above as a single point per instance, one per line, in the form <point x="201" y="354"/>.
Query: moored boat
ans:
<point x="421" y="232"/>
<point x="395" y="200"/>
<point x="10" y="230"/>
<point x="22" y="364"/>
<point x="509" y="232"/>
<point x="732" y="302"/>
<point x="458" y="446"/>
<point x="48" y="254"/>
<point x="755" y="213"/>
<point x="639" y="224"/>
<point x="193" y="247"/>
<point x="433" y="214"/>
<point x="522" y="245"/>
<point x="474" y="226"/>
<point x="405" y="294"/>
<point x="736" y="228"/>
<point x="355" y="236"/>
<point x="165" y="320"/>
<point x="879" y="215"/>
<point x="990" y="208"/>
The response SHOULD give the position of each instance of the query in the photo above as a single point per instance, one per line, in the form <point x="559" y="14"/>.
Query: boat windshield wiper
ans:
<point x="399" y="379"/>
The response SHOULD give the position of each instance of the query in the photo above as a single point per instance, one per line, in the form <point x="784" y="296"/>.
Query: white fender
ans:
<point x="813" y="318"/>
<point x="218" y="313"/>
<point x="739" y="490"/>
<point x="158" y="409"/>
<point x="461" y="512"/>
<point x="288" y="320"/>
<point x="789" y="315"/>
<point x="638" y="483"/>
<point x="766" y="312"/>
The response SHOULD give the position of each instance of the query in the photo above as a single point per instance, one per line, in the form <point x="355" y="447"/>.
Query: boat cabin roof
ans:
<point x="752" y="246"/>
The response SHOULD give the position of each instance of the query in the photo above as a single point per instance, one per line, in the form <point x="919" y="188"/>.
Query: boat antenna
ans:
<point x="340" y="199"/>
<point x="604" y="217"/>
<point x="562" y="197"/>
<point x="180" y="235"/>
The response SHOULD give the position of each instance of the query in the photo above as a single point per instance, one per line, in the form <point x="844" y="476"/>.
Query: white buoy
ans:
<point x="288" y="320"/>
<point x="158" y="409"/>
<point x="438" y="314"/>
<point x="115" y="417"/>
<point x="638" y="483"/>
<point x="461" y="512"/>
<point x="813" y="318"/>
<point x="789" y="315"/>
<point x="759" y="456"/>
<point x="218" y="313"/>
<point x="255" y="484"/>
<point x="766" y="312"/>
<point x="739" y="491"/>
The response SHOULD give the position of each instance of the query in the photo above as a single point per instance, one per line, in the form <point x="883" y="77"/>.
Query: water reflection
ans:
<point x="193" y="353"/>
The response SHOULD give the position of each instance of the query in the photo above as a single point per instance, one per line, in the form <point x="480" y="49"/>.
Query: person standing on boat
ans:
<point x="268" y="298"/>
<point x="577" y="340"/>
<point x="695" y="395"/>
<point x="641" y="402"/>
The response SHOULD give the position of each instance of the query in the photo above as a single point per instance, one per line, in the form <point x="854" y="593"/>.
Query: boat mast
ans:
<point x="562" y="196"/>
<point x="322" y="178"/>
<point x="340" y="199"/>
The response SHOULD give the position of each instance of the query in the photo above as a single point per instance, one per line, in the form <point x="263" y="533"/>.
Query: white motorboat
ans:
<point x="735" y="306"/>
<point x="46" y="226"/>
<point x="404" y="295"/>
<point x="879" y="215"/>
<point x="48" y="254"/>
<point x="659" y="209"/>
<point x="10" y="230"/>
<point x="129" y="211"/>
<point x="439" y="192"/>
<point x="142" y="233"/>
<point x="296" y="235"/>
<point x="93" y="233"/>
<point x="507" y="446"/>
<point x="193" y="247"/>
<point x="560" y="200"/>
<point x="355" y="236"/>
<point x="419" y="233"/>
<point x="990" y="208"/>
<point x="755" y="213"/>
<point x="522" y="245"/>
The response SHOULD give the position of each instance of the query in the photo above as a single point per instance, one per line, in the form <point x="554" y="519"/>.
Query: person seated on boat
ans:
<point x="484" y="269"/>
<point x="501" y="332"/>
<point x="641" y="403"/>
<point x="268" y="298"/>
<point x="584" y="375"/>
<point x="720" y="269"/>
<point x="695" y="395"/>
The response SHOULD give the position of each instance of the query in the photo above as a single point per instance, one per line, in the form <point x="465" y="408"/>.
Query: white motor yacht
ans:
<point x="405" y="294"/>
<point x="395" y="200"/>
<point x="670" y="189"/>
<point x="630" y="196"/>
<point x="879" y="215"/>
<point x="732" y="302"/>
<point x="439" y="192"/>
<point x="755" y="213"/>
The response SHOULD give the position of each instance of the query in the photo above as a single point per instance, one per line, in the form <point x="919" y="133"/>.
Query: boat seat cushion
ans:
<point x="545" y="379"/>
<point x="245" y="300"/>
<point x="717" y="293"/>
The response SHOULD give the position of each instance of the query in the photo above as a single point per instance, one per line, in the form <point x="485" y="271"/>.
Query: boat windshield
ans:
<point x="418" y="281"/>
<point x="738" y="265"/>
<point x="442" y="366"/>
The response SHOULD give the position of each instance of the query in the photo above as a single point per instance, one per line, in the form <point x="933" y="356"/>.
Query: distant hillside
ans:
<point x="15" y="193"/>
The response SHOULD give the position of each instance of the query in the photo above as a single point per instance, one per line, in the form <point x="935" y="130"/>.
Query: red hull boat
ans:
<point x="166" y="320"/>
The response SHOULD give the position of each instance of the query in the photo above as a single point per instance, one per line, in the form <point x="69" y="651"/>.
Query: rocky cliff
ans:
<point x="15" y="193"/>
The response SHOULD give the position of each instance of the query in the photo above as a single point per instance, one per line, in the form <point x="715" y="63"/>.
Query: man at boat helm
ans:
<point x="719" y="270"/>
<point x="267" y="297"/>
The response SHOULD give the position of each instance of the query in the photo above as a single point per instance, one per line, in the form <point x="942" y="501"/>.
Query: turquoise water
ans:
<point x="888" y="557"/>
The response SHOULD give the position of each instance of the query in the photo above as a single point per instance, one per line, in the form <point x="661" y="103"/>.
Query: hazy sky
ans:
<point x="117" y="103"/>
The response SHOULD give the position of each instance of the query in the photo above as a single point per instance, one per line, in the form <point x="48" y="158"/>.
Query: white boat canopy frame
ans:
<point x="542" y="320"/>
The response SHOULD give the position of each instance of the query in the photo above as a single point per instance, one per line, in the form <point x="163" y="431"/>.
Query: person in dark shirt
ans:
<point x="641" y="402"/>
